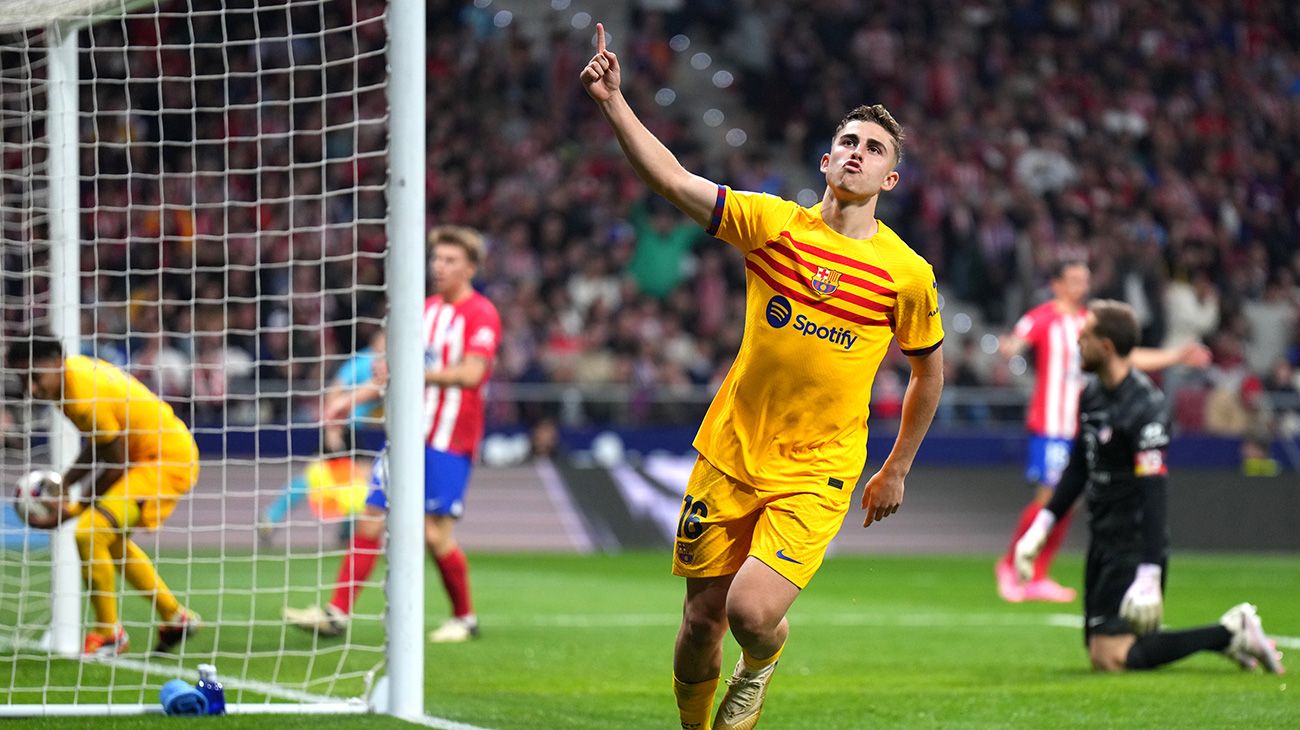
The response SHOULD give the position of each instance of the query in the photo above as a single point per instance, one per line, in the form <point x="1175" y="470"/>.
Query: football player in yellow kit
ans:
<point x="784" y="442"/>
<point x="143" y="460"/>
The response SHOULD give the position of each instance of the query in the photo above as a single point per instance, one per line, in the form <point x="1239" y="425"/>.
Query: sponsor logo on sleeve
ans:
<point x="1150" y="463"/>
<point x="1153" y="436"/>
<point x="484" y="337"/>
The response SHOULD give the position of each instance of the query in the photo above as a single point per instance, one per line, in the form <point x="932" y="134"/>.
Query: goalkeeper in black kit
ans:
<point x="1118" y="460"/>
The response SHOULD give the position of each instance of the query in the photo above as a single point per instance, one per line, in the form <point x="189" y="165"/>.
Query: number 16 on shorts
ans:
<point x="689" y="526"/>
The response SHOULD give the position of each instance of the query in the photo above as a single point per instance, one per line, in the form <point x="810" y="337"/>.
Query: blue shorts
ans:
<point x="1048" y="458"/>
<point x="445" y="478"/>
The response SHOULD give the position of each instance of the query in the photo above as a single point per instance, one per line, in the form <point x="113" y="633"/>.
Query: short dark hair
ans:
<point x="1117" y="322"/>
<point x="25" y="348"/>
<point x="880" y="115"/>
<point x="1060" y="265"/>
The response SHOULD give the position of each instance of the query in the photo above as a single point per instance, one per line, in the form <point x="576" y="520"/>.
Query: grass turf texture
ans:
<point x="902" y="642"/>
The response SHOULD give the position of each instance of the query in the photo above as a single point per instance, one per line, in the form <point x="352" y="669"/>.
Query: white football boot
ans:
<point x="328" y="621"/>
<point x="743" y="702"/>
<point x="1249" y="643"/>
<point x="455" y="630"/>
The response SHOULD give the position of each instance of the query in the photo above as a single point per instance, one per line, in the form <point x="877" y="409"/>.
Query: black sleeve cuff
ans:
<point x="923" y="350"/>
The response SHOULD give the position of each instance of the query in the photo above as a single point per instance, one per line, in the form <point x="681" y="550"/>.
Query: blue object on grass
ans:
<point x="179" y="698"/>
<point x="211" y="689"/>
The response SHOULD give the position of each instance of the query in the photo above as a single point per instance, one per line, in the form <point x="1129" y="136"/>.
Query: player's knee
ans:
<point x="750" y="617"/>
<point x="92" y="527"/>
<point x="84" y="535"/>
<point x="1106" y="659"/>
<point x="703" y="623"/>
<point x="370" y="527"/>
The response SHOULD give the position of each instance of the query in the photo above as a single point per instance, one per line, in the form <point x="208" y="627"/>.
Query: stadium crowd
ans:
<point x="1160" y="142"/>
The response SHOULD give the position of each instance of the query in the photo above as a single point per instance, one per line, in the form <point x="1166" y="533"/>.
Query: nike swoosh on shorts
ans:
<point x="781" y="554"/>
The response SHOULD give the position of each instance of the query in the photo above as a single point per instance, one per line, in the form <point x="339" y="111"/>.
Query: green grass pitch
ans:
<point x="876" y="642"/>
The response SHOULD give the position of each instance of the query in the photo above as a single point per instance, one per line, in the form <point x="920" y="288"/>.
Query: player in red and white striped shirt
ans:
<point x="1052" y="330"/>
<point x="461" y="332"/>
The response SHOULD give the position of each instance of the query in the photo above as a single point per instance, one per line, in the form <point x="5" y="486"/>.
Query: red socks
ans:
<point x="360" y="561"/>
<point x="353" y="571"/>
<point x="455" y="577"/>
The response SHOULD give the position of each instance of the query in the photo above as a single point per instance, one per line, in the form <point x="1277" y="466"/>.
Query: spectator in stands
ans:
<point x="1037" y="158"/>
<point x="1272" y="322"/>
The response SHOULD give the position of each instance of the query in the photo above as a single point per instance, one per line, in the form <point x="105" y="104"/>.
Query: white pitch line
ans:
<point x="284" y="693"/>
<point x="919" y="620"/>
<point x="270" y="690"/>
<point x="643" y="620"/>
<point x="440" y="723"/>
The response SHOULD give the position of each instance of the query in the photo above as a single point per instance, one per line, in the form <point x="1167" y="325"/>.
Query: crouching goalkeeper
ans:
<point x="141" y="459"/>
<point x="1119" y="460"/>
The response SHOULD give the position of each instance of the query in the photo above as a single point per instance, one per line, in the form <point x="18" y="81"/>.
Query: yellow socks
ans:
<point x="754" y="665"/>
<point x="141" y="575"/>
<point x="103" y="548"/>
<point x="695" y="702"/>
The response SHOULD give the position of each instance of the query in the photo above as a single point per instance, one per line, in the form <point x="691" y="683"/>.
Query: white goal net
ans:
<point x="227" y="179"/>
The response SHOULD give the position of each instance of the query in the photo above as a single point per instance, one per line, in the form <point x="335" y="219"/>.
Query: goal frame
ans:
<point x="401" y="692"/>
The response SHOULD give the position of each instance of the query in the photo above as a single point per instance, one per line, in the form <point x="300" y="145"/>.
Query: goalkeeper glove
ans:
<point x="1030" y="543"/>
<point x="1143" y="604"/>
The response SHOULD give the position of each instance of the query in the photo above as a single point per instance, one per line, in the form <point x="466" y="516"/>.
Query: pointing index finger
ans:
<point x="600" y="38"/>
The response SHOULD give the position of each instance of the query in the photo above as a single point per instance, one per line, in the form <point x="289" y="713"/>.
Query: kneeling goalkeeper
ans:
<point x="1118" y="461"/>
<point x="146" y="460"/>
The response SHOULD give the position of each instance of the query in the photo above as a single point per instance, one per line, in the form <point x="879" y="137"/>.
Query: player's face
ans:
<point x="1092" y="350"/>
<point x="1072" y="287"/>
<point x="45" y="379"/>
<point x="861" y="160"/>
<point x="452" y="270"/>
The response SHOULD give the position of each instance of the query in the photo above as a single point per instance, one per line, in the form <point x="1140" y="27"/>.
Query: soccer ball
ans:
<point x="31" y="499"/>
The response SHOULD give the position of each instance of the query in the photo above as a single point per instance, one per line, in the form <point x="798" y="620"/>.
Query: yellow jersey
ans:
<point x="821" y="309"/>
<point x="104" y="402"/>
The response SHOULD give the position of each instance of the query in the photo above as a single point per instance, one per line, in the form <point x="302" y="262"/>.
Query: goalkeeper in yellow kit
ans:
<point x="784" y="441"/>
<point x="146" y="460"/>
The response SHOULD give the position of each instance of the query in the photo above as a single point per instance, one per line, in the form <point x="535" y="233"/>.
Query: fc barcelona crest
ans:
<point x="825" y="281"/>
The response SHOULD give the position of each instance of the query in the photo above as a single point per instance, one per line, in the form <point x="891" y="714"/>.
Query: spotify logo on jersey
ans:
<point x="779" y="311"/>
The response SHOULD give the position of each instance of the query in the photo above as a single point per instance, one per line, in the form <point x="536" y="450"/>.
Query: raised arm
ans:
<point x="653" y="162"/>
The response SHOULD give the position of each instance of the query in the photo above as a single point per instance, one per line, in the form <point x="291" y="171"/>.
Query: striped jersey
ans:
<point x="821" y="310"/>
<point x="1054" y="335"/>
<point x="453" y="416"/>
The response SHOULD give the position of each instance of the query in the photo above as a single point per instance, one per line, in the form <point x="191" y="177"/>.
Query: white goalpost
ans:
<point x="225" y="199"/>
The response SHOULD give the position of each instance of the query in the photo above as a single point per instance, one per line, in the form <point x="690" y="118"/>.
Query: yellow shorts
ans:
<point x="723" y="522"/>
<point x="148" y="491"/>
